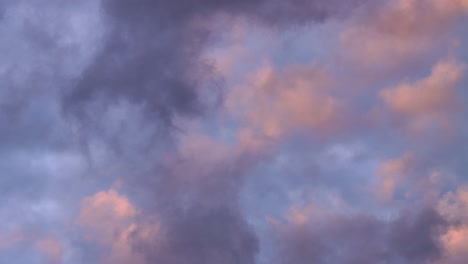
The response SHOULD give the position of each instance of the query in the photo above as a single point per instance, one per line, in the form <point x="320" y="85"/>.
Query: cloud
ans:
<point x="392" y="174"/>
<point x="111" y="220"/>
<point x="429" y="102"/>
<point x="455" y="242"/>
<point x="454" y="207"/>
<point x="9" y="239"/>
<point x="196" y="202"/>
<point x="401" y="31"/>
<point x="277" y="102"/>
<point x="51" y="248"/>
<point x="119" y="68"/>
<point x="202" y="235"/>
<point x="136" y="91"/>
<point x="150" y="56"/>
<point x="105" y="213"/>
<point x="324" y="237"/>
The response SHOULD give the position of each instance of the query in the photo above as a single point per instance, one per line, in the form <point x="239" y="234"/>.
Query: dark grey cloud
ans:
<point x="195" y="200"/>
<point x="151" y="55"/>
<point x="201" y="235"/>
<point x="414" y="236"/>
<point x="411" y="238"/>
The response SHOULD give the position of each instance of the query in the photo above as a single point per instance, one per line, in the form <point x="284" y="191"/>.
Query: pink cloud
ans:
<point x="405" y="178"/>
<point x="401" y="30"/>
<point x="454" y="207"/>
<point x="455" y="242"/>
<point x="105" y="212"/>
<point x="10" y="239"/>
<point x="391" y="174"/>
<point x="275" y="102"/>
<point x="428" y="102"/>
<point x="109" y="218"/>
<point x="51" y="248"/>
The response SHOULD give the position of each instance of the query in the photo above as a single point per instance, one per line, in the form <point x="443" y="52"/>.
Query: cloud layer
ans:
<point x="250" y="132"/>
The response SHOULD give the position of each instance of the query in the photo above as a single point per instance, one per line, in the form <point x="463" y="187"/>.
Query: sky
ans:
<point x="233" y="132"/>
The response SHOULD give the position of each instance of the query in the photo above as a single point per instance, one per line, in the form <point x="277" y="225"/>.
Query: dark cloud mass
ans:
<point x="150" y="55"/>
<point x="201" y="235"/>
<point x="412" y="238"/>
